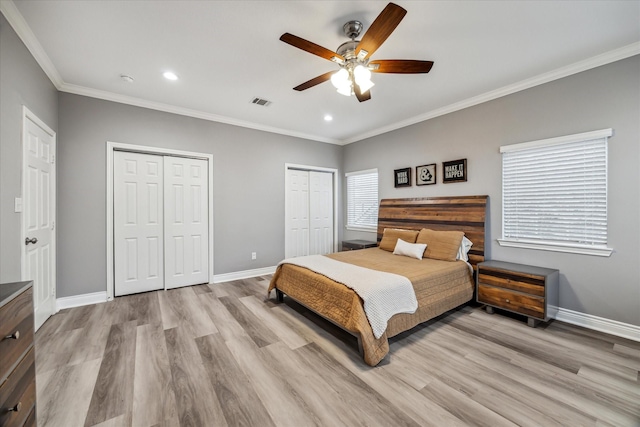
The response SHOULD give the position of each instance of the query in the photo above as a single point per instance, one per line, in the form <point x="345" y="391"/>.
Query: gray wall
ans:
<point x="604" y="97"/>
<point x="22" y="82"/>
<point x="248" y="181"/>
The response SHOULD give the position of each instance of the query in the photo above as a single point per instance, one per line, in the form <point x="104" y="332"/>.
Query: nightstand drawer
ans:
<point x="529" y="305"/>
<point x="533" y="286"/>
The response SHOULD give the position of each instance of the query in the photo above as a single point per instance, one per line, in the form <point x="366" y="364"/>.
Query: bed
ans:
<point x="440" y="282"/>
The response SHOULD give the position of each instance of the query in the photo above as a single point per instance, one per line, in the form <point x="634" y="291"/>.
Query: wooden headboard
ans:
<point x="463" y="213"/>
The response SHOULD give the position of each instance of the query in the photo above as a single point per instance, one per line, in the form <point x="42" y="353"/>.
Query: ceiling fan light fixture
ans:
<point x="365" y="85"/>
<point x="362" y="77"/>
<point x="346" y="90"/>
<point x="340" y="78"/>
<point x="361" y="73"/>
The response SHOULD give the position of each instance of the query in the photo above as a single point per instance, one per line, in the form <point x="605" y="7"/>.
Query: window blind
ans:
<point x="555" y="191"/>
<point x="362" y="199"/>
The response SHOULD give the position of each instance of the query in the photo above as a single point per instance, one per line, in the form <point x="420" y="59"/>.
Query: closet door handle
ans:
<point x="32" y="240"/>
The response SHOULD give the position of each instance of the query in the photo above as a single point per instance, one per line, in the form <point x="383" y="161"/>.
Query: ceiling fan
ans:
<point x="353" y="57"/>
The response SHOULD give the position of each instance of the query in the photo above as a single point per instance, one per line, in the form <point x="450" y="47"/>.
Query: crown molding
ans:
<point x="578" y="67"/>
<point x="20" y="26"/>
<point x="167" y="108"/>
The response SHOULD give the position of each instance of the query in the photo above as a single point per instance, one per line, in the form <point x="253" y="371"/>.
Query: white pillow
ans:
<point x="464" y="248"/>
<point x="413" y="250"/>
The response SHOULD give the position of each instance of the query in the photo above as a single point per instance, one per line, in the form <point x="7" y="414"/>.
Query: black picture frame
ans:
<point x="426" y="174"/>
<point x="454" y="171"/>
<point x="402" y="177"/>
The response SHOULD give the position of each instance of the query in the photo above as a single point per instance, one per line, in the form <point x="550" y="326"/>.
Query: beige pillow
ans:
<point x="442" y="245"/>
<point x="391" y="235"/>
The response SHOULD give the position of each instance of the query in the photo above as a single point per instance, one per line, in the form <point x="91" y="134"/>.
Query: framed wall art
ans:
<point x="426" y="174"/>
<point x="402" y="177"/>
<point x="454" y="171"/>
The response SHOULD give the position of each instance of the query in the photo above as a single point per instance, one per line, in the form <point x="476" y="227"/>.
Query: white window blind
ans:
<point x="362" y="200"/>
<point x="554" y="194"/>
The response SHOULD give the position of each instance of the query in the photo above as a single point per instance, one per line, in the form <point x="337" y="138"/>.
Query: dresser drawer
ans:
<point x="19" y="392"/>
<point x="530" y="305"/>
<point x="528" y="285"/>
<point x="16" y="319"/>
<point x="31" y="419"/>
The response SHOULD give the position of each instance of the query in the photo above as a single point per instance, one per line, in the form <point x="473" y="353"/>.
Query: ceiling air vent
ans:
<point x="260" y="101"/>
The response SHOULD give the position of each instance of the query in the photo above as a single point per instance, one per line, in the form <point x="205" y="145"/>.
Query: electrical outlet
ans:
<point x="254" y="255"/>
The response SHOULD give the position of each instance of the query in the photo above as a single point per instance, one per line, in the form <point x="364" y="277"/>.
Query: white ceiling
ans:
<point x="228" y="52"/>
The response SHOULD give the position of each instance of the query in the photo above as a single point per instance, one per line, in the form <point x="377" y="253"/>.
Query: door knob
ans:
<point x="32" y="240"/>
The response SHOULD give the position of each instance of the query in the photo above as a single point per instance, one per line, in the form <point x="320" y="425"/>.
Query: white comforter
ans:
<point x="384" y="294"/>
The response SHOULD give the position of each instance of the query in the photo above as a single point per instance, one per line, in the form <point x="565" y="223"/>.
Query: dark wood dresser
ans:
<point x="352" y="245"/>
<point x="17" y="355"/>
<point x="519" y="288"/>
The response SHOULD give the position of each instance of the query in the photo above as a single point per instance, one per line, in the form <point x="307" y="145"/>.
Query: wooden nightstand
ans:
<point x="522" y="289"/>
<point x="352" y="245"/>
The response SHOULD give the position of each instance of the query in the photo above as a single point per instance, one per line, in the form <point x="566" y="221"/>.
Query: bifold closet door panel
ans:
<point x="186" y="226"/>
<point x="297" y="222"/>
<point x="138" y="222"/>
<point x="320" y="213"/>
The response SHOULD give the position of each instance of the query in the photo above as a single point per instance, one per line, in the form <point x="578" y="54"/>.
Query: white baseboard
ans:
<point x="246" y="274"/>
<point x="99" y="297"/>
<point x="613" y="327"/>
<point x="80" y="300"/>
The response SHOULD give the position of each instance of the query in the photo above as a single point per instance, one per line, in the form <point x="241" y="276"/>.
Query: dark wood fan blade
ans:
<point x="315" y="81"/>
<point x="361" y="96"/>
<point x="312" y="48"/>
<point x="400" y="66"/>
<point x="381" y="28"/>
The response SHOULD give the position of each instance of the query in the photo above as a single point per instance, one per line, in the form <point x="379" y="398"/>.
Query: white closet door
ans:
<point x="186" y="222"/>
<point x="320" y="213"/>
<point x="138" y="222"/>
<point x="297" y="221"/>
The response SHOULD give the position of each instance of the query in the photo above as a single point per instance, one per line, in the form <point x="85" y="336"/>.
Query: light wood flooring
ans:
<point x="216" y="355"/>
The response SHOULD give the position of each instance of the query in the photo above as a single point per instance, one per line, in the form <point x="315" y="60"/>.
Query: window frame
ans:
<point x="549" y="245"/>
<point x="356" y="227"/>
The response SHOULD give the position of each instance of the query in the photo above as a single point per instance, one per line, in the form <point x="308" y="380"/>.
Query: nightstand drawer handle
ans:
<point x="13" y="336"/>
<point x="15" y="408"/>
<point x="507" y="300"/>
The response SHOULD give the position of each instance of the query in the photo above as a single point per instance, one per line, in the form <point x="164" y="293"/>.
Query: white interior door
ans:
<point x="39" y="215"/>
<point x="186" y="226"/>
<point x="138" y="222"/>
<point x="297" y="221"/>
<point x="320" y="213"/>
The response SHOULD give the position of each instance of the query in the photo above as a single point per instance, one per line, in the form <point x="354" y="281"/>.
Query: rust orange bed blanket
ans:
<point x="439" y="286"/>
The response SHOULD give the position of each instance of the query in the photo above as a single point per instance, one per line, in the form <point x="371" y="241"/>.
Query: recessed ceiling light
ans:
<point x="328" y="118"/>
<point x="170" y="76"/>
